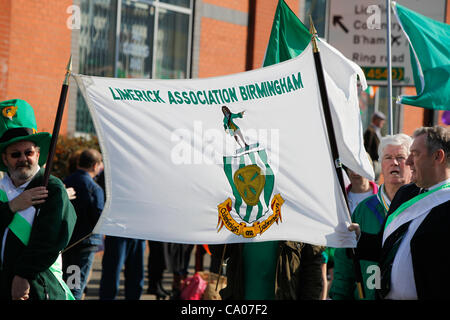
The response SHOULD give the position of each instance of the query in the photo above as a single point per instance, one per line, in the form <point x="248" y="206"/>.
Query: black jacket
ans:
<point x="430" y="259"/>
<point x="371" y="142"/>
<point x="50" y="234"/>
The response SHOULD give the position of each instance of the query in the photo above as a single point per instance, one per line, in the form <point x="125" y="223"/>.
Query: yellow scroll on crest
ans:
<point x="242" y="229"/>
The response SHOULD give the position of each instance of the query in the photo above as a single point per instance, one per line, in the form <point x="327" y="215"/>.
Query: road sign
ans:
<point x="357" y="28"/>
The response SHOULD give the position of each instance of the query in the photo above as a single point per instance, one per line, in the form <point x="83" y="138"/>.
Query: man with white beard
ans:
<point x="36" y="223"/>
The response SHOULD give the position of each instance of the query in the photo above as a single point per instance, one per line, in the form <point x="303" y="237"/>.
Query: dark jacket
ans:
<point x="371" y="142"/>
<point x="50" y="233"/>
<point x="88" y="205"/>
<point x="428" y="247"/>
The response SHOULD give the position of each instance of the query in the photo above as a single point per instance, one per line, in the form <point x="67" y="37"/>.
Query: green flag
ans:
<point x="288" y="38"/>
<point x="429" y="44"/>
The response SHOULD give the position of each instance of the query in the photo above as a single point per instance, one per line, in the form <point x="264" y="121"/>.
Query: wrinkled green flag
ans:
<point x="288" y="38"/>
<point x="429" y="42"/>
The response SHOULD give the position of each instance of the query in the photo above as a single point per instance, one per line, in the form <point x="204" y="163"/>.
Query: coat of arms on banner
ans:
<point x="254" y="209"/>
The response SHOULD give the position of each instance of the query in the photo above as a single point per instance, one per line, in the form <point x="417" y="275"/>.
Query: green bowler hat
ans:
<point x="18" y="123"/>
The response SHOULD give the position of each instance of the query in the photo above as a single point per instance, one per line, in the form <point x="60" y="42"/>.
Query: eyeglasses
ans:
<point x="18" y="154"/>
<point x="398" y="158"/>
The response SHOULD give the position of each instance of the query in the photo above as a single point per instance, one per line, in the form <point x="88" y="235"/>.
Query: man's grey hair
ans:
<point x="437" y="137"/>
<point x="399" y="139"/>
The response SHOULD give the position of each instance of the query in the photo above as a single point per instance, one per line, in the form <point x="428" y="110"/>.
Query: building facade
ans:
<point x="164" y="39"/>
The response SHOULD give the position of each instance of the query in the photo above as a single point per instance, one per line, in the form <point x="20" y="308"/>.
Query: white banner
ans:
<point x="181" y="168"/>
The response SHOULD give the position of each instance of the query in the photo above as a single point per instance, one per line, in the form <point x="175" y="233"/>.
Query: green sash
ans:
<point x="411" y="201"/>
<point x="22" y="230"/>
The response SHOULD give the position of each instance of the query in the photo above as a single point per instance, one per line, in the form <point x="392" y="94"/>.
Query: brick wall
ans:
<point x="240" y="5"/>
<point x="414" y="117"/>
<point x="39" y="49"/>
<point x="222" y="48"/>
<point x="222" y="44"/>
<point x="5" y="10"/>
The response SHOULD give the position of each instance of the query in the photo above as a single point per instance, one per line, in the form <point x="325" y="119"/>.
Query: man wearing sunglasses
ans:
<point x="36" y="223"/>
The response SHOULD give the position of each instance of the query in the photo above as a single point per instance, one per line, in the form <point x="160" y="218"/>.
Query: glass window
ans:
<point x="96" y="50"/>
<point x="154" y="42"/>
<point x="318" y="11"/>
<point x="136" y="40"/>
<point x="181" y="3"/>
<point x="171" y="45"/>
<point x="97" y="30"/>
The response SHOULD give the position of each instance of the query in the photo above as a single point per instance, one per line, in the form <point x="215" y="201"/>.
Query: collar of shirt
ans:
<point x="10" y="188"/>
<point x="437" y="185"/>
<point x="383" y="198"/>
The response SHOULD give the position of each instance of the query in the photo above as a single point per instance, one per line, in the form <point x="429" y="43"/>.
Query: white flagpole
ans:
<point x="389" y="66"/>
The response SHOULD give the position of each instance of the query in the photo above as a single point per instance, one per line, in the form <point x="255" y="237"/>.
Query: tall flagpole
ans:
<point x="56" y="127"/>
<point x="389" y="66"/>
<point x="55" y="134"/>
<point x="57" y="124"/>
<point x="333" y="143"/>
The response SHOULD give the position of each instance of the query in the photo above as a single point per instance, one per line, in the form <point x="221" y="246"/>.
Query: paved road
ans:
<point x="94" y="283"/>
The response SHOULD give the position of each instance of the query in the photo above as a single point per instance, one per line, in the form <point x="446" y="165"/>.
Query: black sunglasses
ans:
<point x="17" y="154"/>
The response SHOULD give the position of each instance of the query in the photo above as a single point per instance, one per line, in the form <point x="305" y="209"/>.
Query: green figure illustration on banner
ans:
<point x="252" y="182"/>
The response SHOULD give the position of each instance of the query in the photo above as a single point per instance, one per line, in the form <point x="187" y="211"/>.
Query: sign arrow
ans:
<point x="338" y="20"/>
<point x="396" y="40"/>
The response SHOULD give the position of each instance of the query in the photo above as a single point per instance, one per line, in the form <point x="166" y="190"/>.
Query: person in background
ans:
<point x="327" y="270"/>
<point x="88" y="205"/>
<point x="156" y="266"/>
<point x="372" y="137"/>
<point x="359" y="189"/>
<point x="179" y="255"/>
<point x="411" y="245"/>
<point x="120" y="251"/>
<point x="273" y="270"/>
<point x="370" y="215"/>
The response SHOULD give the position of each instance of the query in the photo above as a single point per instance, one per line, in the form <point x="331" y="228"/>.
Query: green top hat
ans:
<point x="18" y="123"/>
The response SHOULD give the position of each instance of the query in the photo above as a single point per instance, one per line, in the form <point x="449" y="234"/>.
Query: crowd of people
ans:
<point x="400" y="220"/>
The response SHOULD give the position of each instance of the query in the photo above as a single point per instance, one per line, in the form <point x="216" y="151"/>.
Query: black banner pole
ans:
<point x="332" y="140"/>
<point x="57" y="125"/>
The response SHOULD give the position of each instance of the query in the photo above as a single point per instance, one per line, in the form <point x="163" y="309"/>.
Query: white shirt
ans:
<point x="403" y="285"/>
<point x="355" y="198"/>
<point x="12" y="192"/>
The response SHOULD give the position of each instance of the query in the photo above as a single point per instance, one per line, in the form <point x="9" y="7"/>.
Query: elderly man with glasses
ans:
<point x="36" y="223"/>
<point x="370" y="214"/>
<point x="412" y="243"/>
